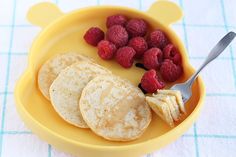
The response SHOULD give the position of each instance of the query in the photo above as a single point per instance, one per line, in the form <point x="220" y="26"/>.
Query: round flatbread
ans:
<point x="50" y="69"/>
<point x="66" y="90"/>
<point x="114" y="108"/>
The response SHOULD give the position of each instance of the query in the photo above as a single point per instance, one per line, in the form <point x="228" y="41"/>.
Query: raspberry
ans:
<point x="157" y="39"/>
<point x="116" y="20"/>
<point x="150" y="82"/>
<point x="169" y="71"/>
<point x="152" y="58"/>
<point x="172" y="53"/>
<point x="106" y="49"/>
<point x="139" y="45"/>
<point x="117" y="35"/>
<point x="136" y="27"/>
<point x="93" y="36"/>
<point x="125" y="56"/>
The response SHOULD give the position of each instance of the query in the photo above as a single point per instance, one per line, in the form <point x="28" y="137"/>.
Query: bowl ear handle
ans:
<point x="165" y="11"/>
<point x="43" y="14"/>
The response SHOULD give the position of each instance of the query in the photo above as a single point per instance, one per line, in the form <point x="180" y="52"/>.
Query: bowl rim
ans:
<point x="172" y="133"/>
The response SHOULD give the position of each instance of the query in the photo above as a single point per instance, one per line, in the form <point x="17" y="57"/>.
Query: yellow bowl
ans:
<point x="63" y="33"/>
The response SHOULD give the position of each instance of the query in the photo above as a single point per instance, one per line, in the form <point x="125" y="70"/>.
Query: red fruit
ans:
<point x="106" y="49"/>
<point x="117" y="35"/>
<point x="93" y="36"/>
<point x="152" y="58"/>
<point x="136" y="27"/>
<point x="116" y="20"/>
<point x="150" y="82"/>
<point x="157" y="39"/>
<point x="139" y="44"/>
<point x="125" y="56"/>
<point x="169" y="71"/>
<point x="172" y="53"/>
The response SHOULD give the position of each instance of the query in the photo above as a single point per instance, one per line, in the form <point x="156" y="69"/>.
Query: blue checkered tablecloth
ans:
<point x="204" y="23"/>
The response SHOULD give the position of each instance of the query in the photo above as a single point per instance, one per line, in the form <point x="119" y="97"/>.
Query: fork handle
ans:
<point x="215" y="52"/>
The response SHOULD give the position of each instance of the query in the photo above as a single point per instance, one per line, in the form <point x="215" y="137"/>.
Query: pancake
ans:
<point x="66" y="90"/>
<point x="171" y="102"/>
<point x="178" y="97"/>
<point x="114" y="109"/>
<point x="161" y="108"/>
<point x="51" y="68"/>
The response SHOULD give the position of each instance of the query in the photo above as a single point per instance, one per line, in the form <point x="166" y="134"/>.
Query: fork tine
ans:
<point x="185" y="99"/>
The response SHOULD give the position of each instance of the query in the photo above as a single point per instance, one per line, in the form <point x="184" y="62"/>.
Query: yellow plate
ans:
<point x="63" y="33"/>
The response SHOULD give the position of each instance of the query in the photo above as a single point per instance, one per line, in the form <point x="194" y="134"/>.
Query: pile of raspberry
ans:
<point x="128" y="40"/>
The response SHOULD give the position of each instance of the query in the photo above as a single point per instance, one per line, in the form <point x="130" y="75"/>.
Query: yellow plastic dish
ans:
<point x="64" y="33"/>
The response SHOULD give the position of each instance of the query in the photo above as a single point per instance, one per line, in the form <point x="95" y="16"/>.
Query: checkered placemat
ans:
<point x="204" y="23"/>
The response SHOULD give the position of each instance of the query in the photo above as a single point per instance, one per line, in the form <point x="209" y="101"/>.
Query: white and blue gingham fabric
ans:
<point x="204" y="23"/>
